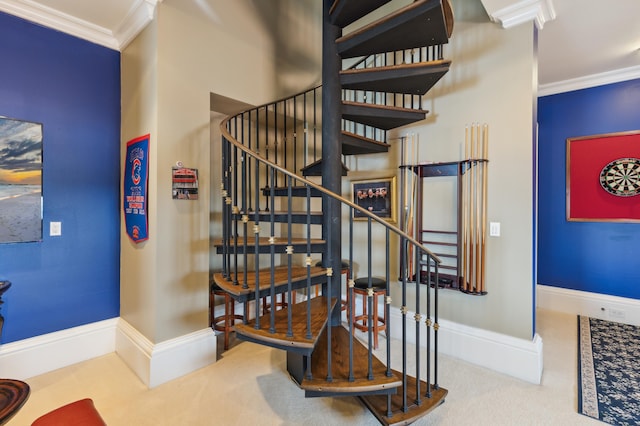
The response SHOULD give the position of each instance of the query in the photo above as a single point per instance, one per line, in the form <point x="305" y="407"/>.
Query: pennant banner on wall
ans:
<point x="136" y="171"/>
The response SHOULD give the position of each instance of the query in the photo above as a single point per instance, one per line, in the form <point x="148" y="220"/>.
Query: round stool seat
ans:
<point x="344" y="264"/>
<point x="363" y="283"/>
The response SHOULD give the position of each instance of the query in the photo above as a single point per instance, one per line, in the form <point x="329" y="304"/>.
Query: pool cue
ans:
<point x="474" y="211"/>
<point x="479" y="217"/>
<point x="485" y="156"/>
<point x="463" y="207"/>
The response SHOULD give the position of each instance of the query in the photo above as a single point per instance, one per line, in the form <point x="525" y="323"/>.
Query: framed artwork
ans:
<point x="184" y="182"/>
<point x="377" y="196"/>
<point x="20" y="181"/>
<point x="603" y="178"/>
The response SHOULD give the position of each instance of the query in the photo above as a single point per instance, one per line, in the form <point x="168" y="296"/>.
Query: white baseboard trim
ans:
<point x="509" y="355"/>
<point x="168" y="360"/>
<point x="154" y="364"/>
<point x="595" y="305"/>
<point x="38" y="355"/>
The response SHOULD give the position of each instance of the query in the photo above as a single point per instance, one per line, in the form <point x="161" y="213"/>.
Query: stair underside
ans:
<point x="296" y="191"/>
<point x="298" y="341"/>
<point x="419" y="24"/>
<point x="299" y="277"/>
<point x="264" y="246"/>
<point x="416" y="78"/>
<point x="344" y="12"/>
<point x="315" y="169"/>
<point x="377" y="404"/>
<point x="340" y="385"/>
<point x="381" y="116"/>
<point x="283" y="216"/>
<point x="353" y="144"/>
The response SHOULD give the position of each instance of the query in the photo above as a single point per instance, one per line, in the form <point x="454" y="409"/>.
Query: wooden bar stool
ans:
<point x="225" y="322"/>
<point x="361" y="322"/>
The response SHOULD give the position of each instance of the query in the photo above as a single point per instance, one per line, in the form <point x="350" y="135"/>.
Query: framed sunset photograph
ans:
<point x="20" y="181"/>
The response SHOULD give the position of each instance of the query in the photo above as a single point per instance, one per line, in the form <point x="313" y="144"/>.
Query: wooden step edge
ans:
<point x="298" y="341"/>
<point x="340" y="384"/>
<point x="424" y="64"/>
<point x="377" y="404"/>
<point x="384" y="107"/>
<point x="298" y="275"/>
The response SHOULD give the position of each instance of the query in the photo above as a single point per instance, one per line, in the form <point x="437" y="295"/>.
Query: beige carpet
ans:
<point x="249" y="386"/>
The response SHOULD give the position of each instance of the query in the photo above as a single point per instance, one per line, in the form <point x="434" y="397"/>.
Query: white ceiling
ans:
<point x="582" y="43"/>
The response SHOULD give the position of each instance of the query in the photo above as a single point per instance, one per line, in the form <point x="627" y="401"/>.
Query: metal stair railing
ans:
<point x="406" y="100"/>
<point x="249" y="166"/>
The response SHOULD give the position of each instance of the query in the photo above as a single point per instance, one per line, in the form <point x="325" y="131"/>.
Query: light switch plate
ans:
<point x="494" y="229"/>
<point x="55" y="229"/>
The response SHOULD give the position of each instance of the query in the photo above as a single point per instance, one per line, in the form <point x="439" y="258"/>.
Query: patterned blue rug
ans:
<point x="609" y="371"/>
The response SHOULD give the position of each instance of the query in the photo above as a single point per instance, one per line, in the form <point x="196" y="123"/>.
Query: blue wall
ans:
<point x="589" y="256"/>
<point x="73" y="88"/>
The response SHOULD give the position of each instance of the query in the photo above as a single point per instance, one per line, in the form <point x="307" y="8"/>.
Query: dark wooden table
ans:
<point x="13" y="394"/>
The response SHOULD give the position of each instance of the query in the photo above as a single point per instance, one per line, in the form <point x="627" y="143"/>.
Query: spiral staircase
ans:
<point x="284" y="232"/>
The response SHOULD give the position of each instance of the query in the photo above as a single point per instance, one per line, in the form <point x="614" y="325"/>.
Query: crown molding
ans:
<point x="588" y="81"/>
<point x="539" y="11"/>
<point x="138" y="17"/>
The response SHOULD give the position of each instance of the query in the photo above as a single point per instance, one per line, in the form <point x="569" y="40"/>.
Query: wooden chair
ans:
<point x="79" y="413"/>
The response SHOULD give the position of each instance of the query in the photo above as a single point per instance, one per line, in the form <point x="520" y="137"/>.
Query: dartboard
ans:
<point x="621" y="177"/>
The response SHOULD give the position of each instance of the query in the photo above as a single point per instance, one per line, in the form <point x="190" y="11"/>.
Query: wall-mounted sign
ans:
<point x="136" y="171"/>
<point x="184" y="183"/>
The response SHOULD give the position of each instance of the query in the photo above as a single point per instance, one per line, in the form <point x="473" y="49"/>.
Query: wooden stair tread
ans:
<point x="377" y="404"/>
<point x="279" y="338"/>
<point x="340" y="368"/>
<point x="298" y="273"/>
<point x="414" y="78"/>
<point x="385" y="117"/>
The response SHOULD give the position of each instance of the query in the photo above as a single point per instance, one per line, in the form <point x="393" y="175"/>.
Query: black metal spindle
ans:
<point x="436" y="327"/>
<point x="370" y="318"/>
<point x="350" y="300"/>
<point x="223" y="193"/>
<point x="308" y="263"/>
<point x="289" y="258"/>
<point x="233" y="204"/>
<point x="243" y="210"/>
<point x="428" y="326"/>
<point x="272" y="233"/>
<point x="418" y="317"/>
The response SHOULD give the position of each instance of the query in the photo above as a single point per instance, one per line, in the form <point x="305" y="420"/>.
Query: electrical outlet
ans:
<point x="615" y="313"/>
<point x="494" y="229"/>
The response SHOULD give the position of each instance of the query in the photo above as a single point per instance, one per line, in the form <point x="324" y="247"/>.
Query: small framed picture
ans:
<point x="377" y="196"/>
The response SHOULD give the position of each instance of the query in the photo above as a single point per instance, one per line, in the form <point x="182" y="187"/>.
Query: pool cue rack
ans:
<point x="463" y="249"/>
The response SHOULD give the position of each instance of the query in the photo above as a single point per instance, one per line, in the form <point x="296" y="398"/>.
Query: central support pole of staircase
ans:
<point x="332" y="152"/>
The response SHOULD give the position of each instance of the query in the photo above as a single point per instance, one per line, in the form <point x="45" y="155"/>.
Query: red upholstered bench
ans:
<point x="79" y="413"/>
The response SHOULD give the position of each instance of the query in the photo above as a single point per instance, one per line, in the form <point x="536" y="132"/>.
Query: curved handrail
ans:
<point x="227" y="135"/>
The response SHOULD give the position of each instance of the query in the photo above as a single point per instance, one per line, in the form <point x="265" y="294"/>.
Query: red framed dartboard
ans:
<point x="603" y="178"/>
